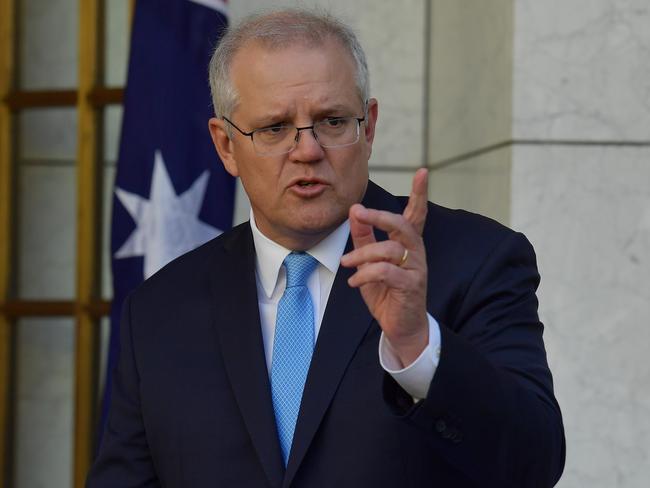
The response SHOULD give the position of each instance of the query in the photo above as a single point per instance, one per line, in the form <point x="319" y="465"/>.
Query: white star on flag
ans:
<point x="168" y="224"/>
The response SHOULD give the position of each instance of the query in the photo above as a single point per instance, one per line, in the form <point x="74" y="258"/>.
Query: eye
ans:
<point x="334" y="122"/>
<point x="274" y="129"/>
<point x="272" y="133"/>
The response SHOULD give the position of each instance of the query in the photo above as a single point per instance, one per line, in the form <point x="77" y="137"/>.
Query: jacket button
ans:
<point x="452" y="434"/>
<point x="441" y="426"/>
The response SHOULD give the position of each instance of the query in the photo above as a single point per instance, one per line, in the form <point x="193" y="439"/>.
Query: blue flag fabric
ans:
<point x="171" y="191"/>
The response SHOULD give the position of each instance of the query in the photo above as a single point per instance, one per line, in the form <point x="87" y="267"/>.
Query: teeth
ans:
<point x="306" y="183"/>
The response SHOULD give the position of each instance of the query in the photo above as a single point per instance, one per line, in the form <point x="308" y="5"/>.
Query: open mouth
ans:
<point x="308" y="188"/>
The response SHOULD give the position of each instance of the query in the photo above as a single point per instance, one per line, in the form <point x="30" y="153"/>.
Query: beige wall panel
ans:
<point x="471" y="76"/>
<point x="587" y="212"/>
<point x="480" y="184"/>
<point x="396" y="182"/>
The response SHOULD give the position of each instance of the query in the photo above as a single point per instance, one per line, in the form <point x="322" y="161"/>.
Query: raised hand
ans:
<point x="392" y="274"/>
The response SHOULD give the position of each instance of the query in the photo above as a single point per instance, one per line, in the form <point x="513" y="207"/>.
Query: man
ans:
<point x="256" y="360"/>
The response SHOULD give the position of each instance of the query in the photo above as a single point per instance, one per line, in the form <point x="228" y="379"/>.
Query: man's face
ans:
<point x="297" y="85"/>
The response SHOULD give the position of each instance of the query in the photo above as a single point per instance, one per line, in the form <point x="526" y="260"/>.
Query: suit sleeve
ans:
<point x="490" y="409"/>
<point x="124" y="459"/>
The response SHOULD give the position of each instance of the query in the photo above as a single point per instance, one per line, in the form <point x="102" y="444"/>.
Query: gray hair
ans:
<point x="275" y="30"/>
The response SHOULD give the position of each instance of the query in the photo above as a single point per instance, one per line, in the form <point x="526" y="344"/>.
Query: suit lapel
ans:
<point x="344" y="326"/>
<point x="238" y="327"/>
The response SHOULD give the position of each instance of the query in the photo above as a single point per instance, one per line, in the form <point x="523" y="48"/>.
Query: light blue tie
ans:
<point x="292" y="346"/>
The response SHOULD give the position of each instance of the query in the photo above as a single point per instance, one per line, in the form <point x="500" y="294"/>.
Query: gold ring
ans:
<point x="405" y="256"/>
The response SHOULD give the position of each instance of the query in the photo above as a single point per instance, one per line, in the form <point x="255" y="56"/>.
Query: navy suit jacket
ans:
<point x="191" y="403"/>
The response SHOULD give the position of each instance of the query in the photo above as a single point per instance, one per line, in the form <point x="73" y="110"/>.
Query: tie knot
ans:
<point x="299" y="266"/>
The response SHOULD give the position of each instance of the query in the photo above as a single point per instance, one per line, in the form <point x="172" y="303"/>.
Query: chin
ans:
<point x="307" y="235"/>
<point x="320" y="222"/>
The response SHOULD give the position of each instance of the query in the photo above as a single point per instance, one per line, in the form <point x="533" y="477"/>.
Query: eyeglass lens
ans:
<point x="335" y="132"/>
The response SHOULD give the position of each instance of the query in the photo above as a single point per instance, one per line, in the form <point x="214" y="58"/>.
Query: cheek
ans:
<point x="353" y="173"/>
<point x="351" y="188"/>
<point x="258" y="177"/>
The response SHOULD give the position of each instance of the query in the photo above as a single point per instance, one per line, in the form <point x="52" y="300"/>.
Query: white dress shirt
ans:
<point x="271" y="282"/>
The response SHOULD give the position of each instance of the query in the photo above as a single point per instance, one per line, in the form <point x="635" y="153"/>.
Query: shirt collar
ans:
<point x="270" y="254"/>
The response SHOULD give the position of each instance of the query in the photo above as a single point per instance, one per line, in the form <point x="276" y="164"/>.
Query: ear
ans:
<point x="371" y="123"/>
<point x="223" y="145"/>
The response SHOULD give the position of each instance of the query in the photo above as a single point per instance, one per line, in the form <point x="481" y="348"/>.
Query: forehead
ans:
<point x="283" y="78"/>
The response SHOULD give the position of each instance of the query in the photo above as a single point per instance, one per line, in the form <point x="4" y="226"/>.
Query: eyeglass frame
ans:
<point x="297" y="137"/>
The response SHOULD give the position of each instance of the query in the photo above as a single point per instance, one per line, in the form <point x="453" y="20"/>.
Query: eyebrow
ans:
<point x="273" y="118"/>
<point x="344" y="109"/>
<point x="270" y="119"/>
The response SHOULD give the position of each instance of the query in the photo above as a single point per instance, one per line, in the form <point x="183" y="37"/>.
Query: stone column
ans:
<point x="540" y="118"/>
<point x="580" y="190"/>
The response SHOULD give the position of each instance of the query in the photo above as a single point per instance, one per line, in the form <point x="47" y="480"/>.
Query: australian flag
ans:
<point x="171" y="191"/>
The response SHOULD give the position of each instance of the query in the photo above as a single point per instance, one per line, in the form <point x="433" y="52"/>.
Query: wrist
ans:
<point x="407" y="348"/>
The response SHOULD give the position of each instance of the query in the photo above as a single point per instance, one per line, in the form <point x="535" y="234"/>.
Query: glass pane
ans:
<point x="46" y="203"/>
<point x="112" y="130"/>
<point x="104" y="338"/>
<point x="47" y="134"/>
<point x="107" y="202"/>
<point x="46" y="231"/>
<point x="111" y="134"/>
<point x="44" y="402"/>
<point x="48" y="51"/>
<point x="116" y="48"/>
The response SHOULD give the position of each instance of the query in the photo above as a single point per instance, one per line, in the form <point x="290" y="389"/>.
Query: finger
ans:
<point x="396" y="225"/>
<point x="389" y="251"/>
<point x="362" y="233"/>
<point x="382" y="272"/>
<point x="416" y="209"/>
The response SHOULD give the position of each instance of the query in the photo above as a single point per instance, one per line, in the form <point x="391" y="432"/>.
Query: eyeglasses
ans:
<point x="283" y="138"/>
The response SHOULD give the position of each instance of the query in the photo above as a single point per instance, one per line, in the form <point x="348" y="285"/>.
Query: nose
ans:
<point x="307" y="146"/>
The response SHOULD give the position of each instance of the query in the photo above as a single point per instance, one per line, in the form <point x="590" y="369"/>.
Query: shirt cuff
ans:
<point x="416" y="377"/>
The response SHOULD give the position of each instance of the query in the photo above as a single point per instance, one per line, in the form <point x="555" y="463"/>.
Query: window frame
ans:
<point x="90" y="98"/>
